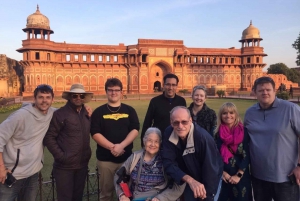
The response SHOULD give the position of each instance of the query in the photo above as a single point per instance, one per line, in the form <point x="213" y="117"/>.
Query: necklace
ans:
<point x="113" y="111"/>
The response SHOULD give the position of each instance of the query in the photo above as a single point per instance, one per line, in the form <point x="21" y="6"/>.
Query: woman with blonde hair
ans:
<point x="233" y="143"/>
<point x="201" y="114"/>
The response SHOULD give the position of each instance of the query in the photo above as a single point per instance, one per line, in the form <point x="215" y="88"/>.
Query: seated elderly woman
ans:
<point x="143" y="172"/>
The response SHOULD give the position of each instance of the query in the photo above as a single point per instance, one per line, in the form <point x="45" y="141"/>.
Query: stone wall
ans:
<point x="11" y="77"/>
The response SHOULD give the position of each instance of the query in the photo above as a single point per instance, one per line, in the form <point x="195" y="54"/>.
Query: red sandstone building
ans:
<point x="141" y="66"/>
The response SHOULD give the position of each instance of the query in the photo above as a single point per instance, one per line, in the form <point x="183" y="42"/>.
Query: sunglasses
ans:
<point x="44" y="86"/>
<point x="176" y="123"/>
<point x="81" y="96"/>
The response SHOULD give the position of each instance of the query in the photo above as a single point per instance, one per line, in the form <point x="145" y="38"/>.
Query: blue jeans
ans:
<point x="24" y="189"/>
<point x="218" y="191"/>
<point x="266" y="191"/>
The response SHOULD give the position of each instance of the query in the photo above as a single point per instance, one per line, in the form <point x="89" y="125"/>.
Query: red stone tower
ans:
<point x="36" y="54"/>
<point x="251" y="57"/>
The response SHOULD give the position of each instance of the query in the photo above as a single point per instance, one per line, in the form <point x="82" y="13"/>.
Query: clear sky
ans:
<point x="199" y="23"/>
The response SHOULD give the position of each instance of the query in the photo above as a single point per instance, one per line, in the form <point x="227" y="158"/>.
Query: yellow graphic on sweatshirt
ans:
<point x="116" y="116"/>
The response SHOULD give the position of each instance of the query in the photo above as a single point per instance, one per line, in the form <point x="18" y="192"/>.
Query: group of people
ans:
<point x="188" y="153"/>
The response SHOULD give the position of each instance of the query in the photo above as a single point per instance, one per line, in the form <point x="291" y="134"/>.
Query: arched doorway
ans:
<point x="157" y="73"/>
<point x="157" y="86"/>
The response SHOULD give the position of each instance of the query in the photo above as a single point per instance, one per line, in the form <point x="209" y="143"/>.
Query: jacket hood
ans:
<point x="38" y="115"/>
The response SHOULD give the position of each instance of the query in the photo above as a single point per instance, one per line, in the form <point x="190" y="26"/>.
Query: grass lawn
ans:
<point x="141" y="108"/>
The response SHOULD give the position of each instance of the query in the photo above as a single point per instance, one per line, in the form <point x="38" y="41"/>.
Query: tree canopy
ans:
<point x="296" y="45"/>
<point x="280" y="68"/>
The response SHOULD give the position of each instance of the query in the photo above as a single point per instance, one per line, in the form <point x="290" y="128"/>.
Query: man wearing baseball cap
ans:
<point x="68" y="140"/>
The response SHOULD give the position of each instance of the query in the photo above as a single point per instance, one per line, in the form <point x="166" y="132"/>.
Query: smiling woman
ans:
<point x="232" y="143"/>
<point x="201" y="114"/>
<point x="144" y="168"/>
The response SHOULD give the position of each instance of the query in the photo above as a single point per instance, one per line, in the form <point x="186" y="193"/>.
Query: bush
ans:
<point x="283" y="95"/>
<point x="8" y="108"/>
<point x="184" y="91"/>
<point x="3" y="101"/>
<point x="221" y="93"/>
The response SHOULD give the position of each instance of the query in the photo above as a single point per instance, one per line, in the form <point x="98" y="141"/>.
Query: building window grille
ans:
<point x="37" y="56"/>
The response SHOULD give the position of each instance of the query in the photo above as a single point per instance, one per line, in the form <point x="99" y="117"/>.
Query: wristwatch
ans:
<point x="240" y="175"/>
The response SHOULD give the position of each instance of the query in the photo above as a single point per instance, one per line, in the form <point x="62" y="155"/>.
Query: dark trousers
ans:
<point x="266" y="191"/>
<point x="70" y="183"/>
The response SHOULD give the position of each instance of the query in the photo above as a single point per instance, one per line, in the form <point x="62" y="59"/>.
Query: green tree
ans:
<point x="278" y="68"/>
<point x="293" y="75"/>
<point x="296" y="45"/>
<point x="290" y="73"/>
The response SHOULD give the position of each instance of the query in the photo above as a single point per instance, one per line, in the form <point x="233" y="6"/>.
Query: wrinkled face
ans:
<point x="199" y="97"/>
<point x="43" y="101"/>
<point x="170" y="87"/>
<point x="113" y="94"/>
<point x="228" y="117"/>
<point x="152" y="144"/>
<point x="265" y="94"/>
<point x="77" y="99"/>
<point x="181" y="123"/>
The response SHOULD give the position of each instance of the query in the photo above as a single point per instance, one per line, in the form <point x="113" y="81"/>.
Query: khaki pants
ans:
<point x="107" y="172"/>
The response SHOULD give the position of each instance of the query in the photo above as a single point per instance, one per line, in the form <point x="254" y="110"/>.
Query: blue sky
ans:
<point x="199" y="23"/>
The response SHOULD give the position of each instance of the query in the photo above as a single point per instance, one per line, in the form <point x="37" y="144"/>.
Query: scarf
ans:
<point x="231" y="138"/>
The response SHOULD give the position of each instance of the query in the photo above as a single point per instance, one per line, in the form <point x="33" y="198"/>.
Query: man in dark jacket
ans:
<point x="68" y="140"/>
<point x="158" y="113"/>
<point x="190" y="155"/>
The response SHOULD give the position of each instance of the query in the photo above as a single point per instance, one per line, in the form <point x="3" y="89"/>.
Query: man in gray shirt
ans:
<point x="274" y="129"/>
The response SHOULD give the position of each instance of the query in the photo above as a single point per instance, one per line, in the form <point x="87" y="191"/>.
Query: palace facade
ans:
<point x="141" y="67"/>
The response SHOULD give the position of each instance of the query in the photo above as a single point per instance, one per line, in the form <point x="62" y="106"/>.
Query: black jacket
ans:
<point x="68" y="138"/>
<point x="158" y="113"/>
<point x="200" y="156"/>
<point x="206" y="118"/>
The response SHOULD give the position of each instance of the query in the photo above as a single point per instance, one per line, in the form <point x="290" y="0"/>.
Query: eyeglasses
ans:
<point x="170" y="85"/>
<point x="176" y="123"/>
<point x="43" y="86"/>
<point x="113" y="90"/>
<point x="81" y="96"/>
